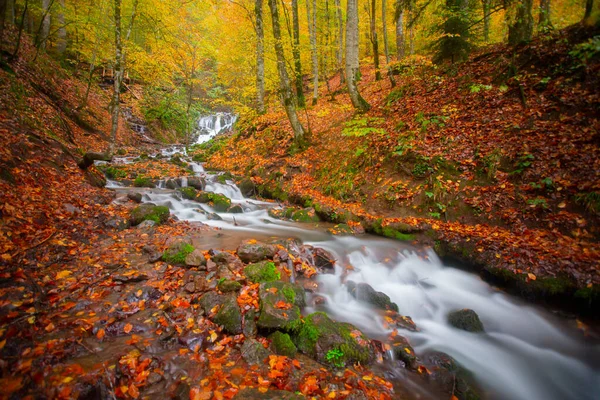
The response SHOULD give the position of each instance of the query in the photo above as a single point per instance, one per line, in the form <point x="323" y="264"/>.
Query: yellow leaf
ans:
<point x="367" y="378"/>
<point x="63" y="274"/>
<point x="6" y="257"/>
<point x="31" y="319"/>
<point x="2" y="343"/>
<point x="531" y="276"/>
<point x="127" y="328"/>
<point x="562" y="205"/>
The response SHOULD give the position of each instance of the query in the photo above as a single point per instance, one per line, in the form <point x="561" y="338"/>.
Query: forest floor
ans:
<point x="452" y="155"/>
<point x="495" y="162"/>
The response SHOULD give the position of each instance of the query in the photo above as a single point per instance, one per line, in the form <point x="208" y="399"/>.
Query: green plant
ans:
<point x="359" y="127"/>
<point x="431" y="120"/>
<point x="522" y="163"/>
<point x="289" y="294"/>
<point x="591" y="201"/>
<point x="478" y="87"/>
<point x="421" y="169"/>
<point x="538" y="202"/>
<point x="491" y="163"/>
<point x="336" y="358"/>
<point x="436" y="215"/>
<point x="548" y="183"/>
<point x="587" y="51"/>
<point x="141" y="181"/>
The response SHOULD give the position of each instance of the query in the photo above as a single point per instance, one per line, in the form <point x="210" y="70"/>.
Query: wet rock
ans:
<point x="255" y="394"/>
<point x="172" y="184"/>
<point x="178" y="252"/>
<point x="365" y="293"/>
<point x="154" y="378"/>
<point x="264" y="271"/>
<point x="145" y="293"/>
<point x="196" y="182"/>
<point x="225" y="258"/>
<point x="305" y="215"/>
<point x="195" y="259"/>
<point x="182" y="392"/>
<point x="117" y="224"/>
<point x="136" y="277"/>
<point x="223" y="272"/>
<point x="149" y="212"/>
<point x="404" y="352"/>
<point x="211" y="266"/>
<point x="228" y="285"/>
<point x="195" y="282"/>
<point x="214" y="217"/>
<point x="249" y="325"/>
<point x="192" y="341"/>
<point x="451" y="376"/>
<point x="341" y="230"/>
<point x="465" y="319"/>
<point x="282" y="344"/>
<point x="247" y="187"/>
<point x="251" y="251"/>
<point x="281" y="213"/>
<point x="235" y="209"/>
<point x="147" y="225"/>
<point x="279" y="305"/>
<point x="253" y="352"/>
<point x="228" y="312"/>
<point x="323" y="259"/>
<point x="189" y="193"/>
<point x="318" y="336"/>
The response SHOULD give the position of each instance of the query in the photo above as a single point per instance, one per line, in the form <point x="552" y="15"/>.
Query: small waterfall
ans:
<point x="210" y="126"/>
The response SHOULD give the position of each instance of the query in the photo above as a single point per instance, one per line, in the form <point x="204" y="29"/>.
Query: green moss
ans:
<point x="149" y="212"/>
<point x="264" y="271"/>
<point x="305" y="332"/>
<point x="283" y="345"/>
<point x="189" y="193"/>
<point x="553" y="286"/>
<point x="589" y="293"/>
<point x="305" y="215"/>
<point x="220" y="202"/>
<point x="224" y="177"/>
<point x="112" y="172"/>
<point x="178" y="257"/>
<point x="336" y="358"/>
<point x="141" y="181"/>
<point x="226" y="285"/>
<point x="290" y="294"/>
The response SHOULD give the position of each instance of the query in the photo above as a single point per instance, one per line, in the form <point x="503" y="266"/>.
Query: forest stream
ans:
<point x="525" y="352"/>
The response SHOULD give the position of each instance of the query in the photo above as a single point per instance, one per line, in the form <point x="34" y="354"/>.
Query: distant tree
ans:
<point x="520" y="27"/>
<point x="116" y="99"/>
<point x="487" y="6"/>
<point x="312" y="29"/>
<point x="3" y="7"/>
<point x="296" y="54"/>
<point x="352" y="60"/>
<point x="399" y="8"/>
<point x="455" y="42"/>
<point x="287" y="95"/>
<point x="374" y="39"/>
<point x="589" y="6"/>
<point x="340" y="39"/>
<point x="260" y="56"/>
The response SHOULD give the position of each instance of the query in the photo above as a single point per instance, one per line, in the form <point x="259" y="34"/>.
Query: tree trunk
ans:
<point x="386" y="49"/>
<point x="3" y="7"/>
<point x="117" y="79"/>
<point x="589" y="6"/>
<point x="352" y="61"/>
<point x="340" y="48"/>
<point x="284" y="80"/>
<point x="61" y="45"/>
<point x="486" y="4"/>
<point x="544" y="19"/>
<point x="21" y="25"/>
<point x="296" y="54"/>
<point x="12" y="17"/>
<point x="312" y="28"/>
<point x="521" y="29"/>
<point x="46" y="20"/>
<point x="400" y="30"/>
<point x="374" y="39"/>
<point x="260" y="56"/>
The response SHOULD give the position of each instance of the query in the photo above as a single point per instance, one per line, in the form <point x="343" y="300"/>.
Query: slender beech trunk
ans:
<point x="260" y="56"/>
<point x="61" y="45"/>
<point x="544" y="18"/>
<point x="374" y="39"/>
<point x="352" y="61"/>
<point x="521" y="29"/>
<point x="3" y="7"/>
<point x="399" y="30"/>
<point x="486" y="4"/>
<point x="296" y="54"/>
<point x="12" y="17"/>
<point x="589" y="6"/>
<point x="285" y="88"/>
<point x="312" y="28"/>
<point x="386" y="49"/>
<point x="340" y="40"/>
<point x="21" y="25"/>
<point x="117" y="80"/>
<point x="46" y="21"/>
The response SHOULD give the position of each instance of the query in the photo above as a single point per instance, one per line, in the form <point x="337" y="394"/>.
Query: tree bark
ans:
<point x="312" y="28"/>
<point x="400" y="30"/>
<point x="521" y="29"/>
<point x="285" y="88"/>
<point x="352" y="60"/>
<point x="544" y="18"/>
<point x="589" y="6"/>
<point x="260" y="56"/>
<point x="3" y="6"/>
<point x="296" y="54"/>
<point x="117" y="79"/>
<point x="386" y="49"/>
<point x="374" y="39"/>
<point x="46" y="21"/>
<point x="61" y="45"/>
<point x="486" y="4"/>
<point x="12" y="18"/>
<point x="21" y="25"/>
<point x="340" y="48"/>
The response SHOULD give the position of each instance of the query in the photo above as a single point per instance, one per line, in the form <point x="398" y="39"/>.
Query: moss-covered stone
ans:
<point x="188" y="193"/>
<point x="465" y="319"/>
<point x="282" y="213"/>
<point x="177" y="253"/>
<point x="141" y="181"/>
<point x="341" y="229"/>
<point x="317" y="334"/>
<point x="247" y="187"/>
<point x="219" y="202"/>
<point x="228" y="285"/>
<point x="264" y="271"/>
<point x="365" y="293"/>
<point x="398" y="232"/>
<point x="251" y="251"/>
<point x="224" y="177"/>
<point x="236" y="209"/>
<point x="228" y="314"/>
<point x="276" y="309"/>
<point x="305" y="215"/>
<point x="149" y="212"/>
<point x="282" y="344"/>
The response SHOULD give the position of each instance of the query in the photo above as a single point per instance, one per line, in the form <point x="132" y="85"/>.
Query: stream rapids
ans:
<point x="525" y="353"/>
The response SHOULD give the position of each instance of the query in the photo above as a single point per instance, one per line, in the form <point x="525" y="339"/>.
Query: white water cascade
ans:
<point x="210" y="126"/>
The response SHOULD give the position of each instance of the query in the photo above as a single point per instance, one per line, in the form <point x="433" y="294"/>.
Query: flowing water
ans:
<point x="526" y="352"/>
<point x="209" y="126"/>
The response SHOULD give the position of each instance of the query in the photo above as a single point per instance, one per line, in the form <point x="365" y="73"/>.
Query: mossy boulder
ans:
<point x="236" y="209"/>
<point x="363" y="292"/>
<point x="196" y="182"/>
<point x="247" y="187"/>
<point x="331" y="342"/>
<point x="264" y="271"/>
<point x="341" y="230"/>
<point x="142" y="181"/>
<point x="404" y="352"/>
<point x="189" y="193"/>
<point x="466" y="320"/>
<point x="219" y="202"/>
<point x="224" y="177"/>
<point x="229" y="285"/>
<point x="228" y="312"/>
<point x="450" y="376"/>
<point x="178" y="252"/>
<point x="282" y="213"/>
<point x="173" y="184"/>
<point x="282" y="344"/>
<point x="253" y="352"/>
<point x="305" y="215"/>
<point x="149" y="212"/>
<point x="280" y="304"/>
<point x="251" y="251"/>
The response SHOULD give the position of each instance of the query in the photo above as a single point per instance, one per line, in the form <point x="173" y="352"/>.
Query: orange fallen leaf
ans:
<point x="127" y="328"/>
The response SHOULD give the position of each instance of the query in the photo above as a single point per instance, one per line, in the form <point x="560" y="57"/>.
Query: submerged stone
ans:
<point x="466" y="320"/>
<point x="365" y="293"/>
